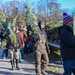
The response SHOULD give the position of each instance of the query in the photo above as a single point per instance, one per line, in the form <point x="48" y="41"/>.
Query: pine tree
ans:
<point x="31" y="22"/>
<point x="3" y="18"/>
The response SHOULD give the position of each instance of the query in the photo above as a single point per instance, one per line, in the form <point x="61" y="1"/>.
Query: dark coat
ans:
<point x="67" y="42"/>
<point x="42" y="31"/>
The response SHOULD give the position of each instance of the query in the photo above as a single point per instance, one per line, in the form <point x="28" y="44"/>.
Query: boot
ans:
<point x="17" y="66"/>
<point x="44" y="73"/>
<point x="20" y="61"/>
<point x="12" y="64"/>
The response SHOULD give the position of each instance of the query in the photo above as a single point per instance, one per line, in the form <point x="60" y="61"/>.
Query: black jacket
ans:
<point x="67" y="42"/>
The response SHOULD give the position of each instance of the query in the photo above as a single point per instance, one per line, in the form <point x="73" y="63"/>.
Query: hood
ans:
<point x="39" y="24"/>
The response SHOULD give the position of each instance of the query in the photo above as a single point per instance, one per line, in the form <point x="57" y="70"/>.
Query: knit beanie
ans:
<point x="67" y="18"/>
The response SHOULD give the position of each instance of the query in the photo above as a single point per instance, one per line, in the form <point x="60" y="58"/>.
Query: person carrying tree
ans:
<point x="41" y="55"/>
<point x="13" y="47"/>
<point x="3" y="42"/>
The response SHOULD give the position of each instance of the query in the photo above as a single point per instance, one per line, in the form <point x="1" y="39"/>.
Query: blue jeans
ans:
<point x="68" y="67"/>
<point x="21" y="54"/>
<point x="4" y="53"/>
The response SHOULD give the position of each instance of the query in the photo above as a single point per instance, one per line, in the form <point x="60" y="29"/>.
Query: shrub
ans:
<point x="52" y="31"/>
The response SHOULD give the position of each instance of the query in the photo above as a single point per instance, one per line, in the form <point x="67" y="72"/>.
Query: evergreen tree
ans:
<point x="31" y="22"/>
<point x="3" y="18"/>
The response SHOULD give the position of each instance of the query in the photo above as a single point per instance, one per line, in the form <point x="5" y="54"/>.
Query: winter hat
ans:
<point x="67" y="18"/>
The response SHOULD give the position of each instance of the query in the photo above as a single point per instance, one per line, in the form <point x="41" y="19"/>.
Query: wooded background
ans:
<point x="47" y="10"/>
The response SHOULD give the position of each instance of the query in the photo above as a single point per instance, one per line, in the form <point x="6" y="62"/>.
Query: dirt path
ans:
<point x="5" y="67"/>
<point x="28" y="68"/>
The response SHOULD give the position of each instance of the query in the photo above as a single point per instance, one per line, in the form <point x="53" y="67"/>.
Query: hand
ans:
<point x="23" y="45"/>
<point x="48" y="49"/>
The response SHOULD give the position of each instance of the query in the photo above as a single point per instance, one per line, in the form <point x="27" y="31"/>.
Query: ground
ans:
<point x="5" y="67"/>
<point x="28" y="68"/>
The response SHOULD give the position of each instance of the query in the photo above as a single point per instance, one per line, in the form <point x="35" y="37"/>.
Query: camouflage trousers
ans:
<point x="13" y="54"/>
<point x="41" y="61"/>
